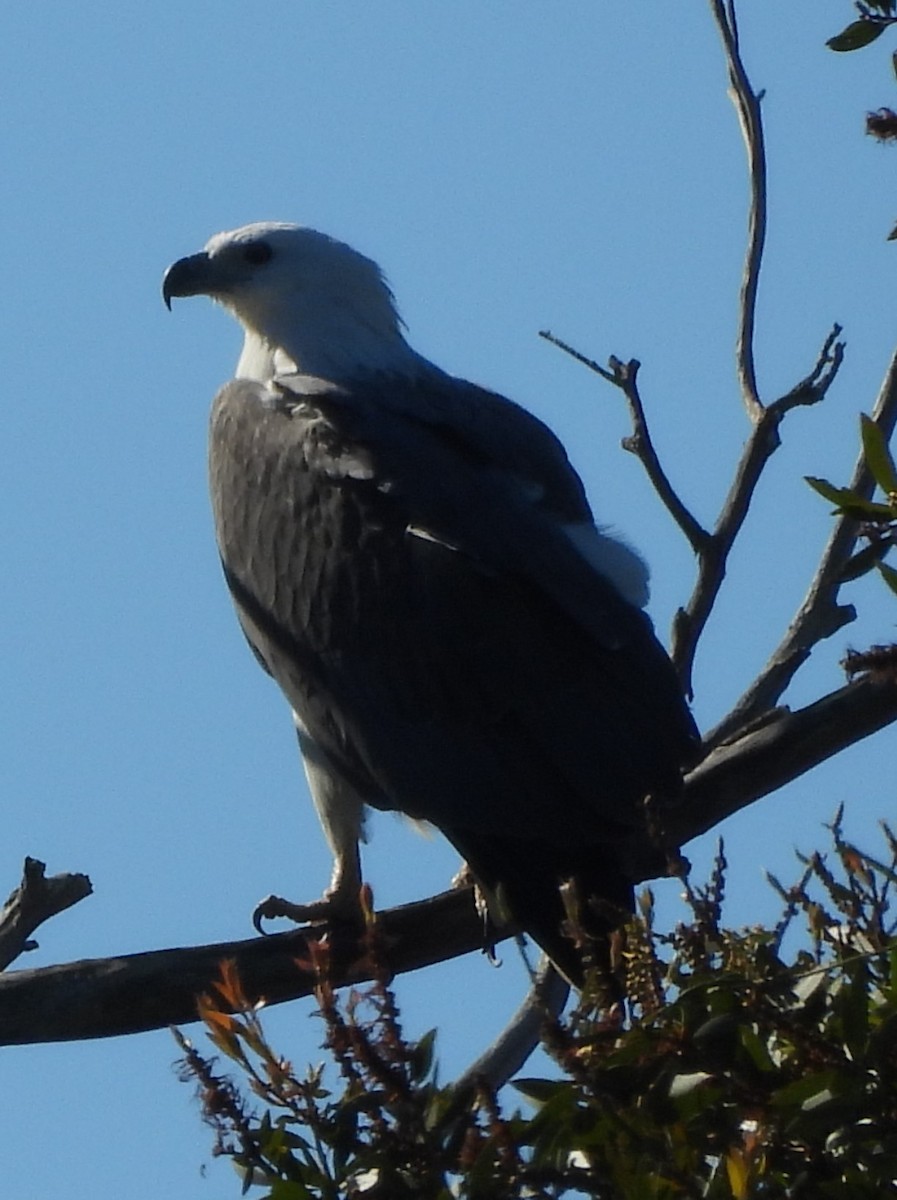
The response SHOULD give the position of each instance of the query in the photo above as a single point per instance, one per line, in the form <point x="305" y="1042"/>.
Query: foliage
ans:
<point x="878" y="519"/>
<point x="730" y="1069"/>
<point x="875" y="16"/>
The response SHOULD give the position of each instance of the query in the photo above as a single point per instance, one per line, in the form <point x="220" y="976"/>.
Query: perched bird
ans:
<point x="414" y="561"/>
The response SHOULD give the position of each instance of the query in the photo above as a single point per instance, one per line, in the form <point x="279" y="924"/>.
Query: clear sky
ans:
<point x="512" y="167"/>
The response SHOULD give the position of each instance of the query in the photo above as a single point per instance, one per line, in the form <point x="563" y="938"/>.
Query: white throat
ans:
<point x="330" y="343"/>
<point x="260" y="361"/>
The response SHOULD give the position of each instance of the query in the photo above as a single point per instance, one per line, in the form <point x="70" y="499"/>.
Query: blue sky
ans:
<point x="512" y="167"/>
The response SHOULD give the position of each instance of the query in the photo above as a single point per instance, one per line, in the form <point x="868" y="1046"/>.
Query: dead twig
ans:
<point x="625" y="377"/>
<point x="712" y="549"/>
<point x="690" y="621"/>
<point x="820" y="615"/>
<point x="747" y="106"/>
<point x="34" y="901"/>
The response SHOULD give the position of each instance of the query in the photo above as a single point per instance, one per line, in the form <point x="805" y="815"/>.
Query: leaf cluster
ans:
<point x="724" y="1068"/>
<point x="877" y="518"/>
<point x="875" y="16"/>
<point x="375" y="1124"/>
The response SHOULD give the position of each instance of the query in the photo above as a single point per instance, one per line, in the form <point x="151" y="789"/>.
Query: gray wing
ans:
<point x="484" y="477"/>
<point x="406" y="579"/>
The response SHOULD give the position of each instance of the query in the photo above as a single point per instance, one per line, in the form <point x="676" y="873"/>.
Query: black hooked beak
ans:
<point x="189" y="276"/>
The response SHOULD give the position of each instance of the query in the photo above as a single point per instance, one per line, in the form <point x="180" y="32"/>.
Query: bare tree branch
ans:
<point x="747" y="106"/>
<point x="690" y="621"/>
<point x="713" y="549"/>
<point x="625" y="377"/>
<point x="520" y="1037"/>
<point x="34" y="901"/>
<point x="779" y="749"/>
<point x="128" y="994"/>
<point x="820" y="615"/>
<point x="131" y="993"/>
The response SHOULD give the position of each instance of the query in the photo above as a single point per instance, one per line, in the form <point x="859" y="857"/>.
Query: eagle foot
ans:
<point x="333" y="908"/>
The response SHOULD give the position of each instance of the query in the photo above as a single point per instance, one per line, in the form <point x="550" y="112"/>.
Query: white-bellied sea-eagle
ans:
<point x="413" y="559"/>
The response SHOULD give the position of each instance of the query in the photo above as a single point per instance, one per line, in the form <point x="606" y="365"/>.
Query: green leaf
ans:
<point x="878" y="455"/>
<point x="422" y="1056"/>
<point x="807" y="1093"/>
<point x="828" y="491"/>
<point x="889" y="575"/>
<point x="856" y="35"/>
<point x="537" y="1090"/>
<point x="757" y="1048"/>
<point x="850" y="503"/>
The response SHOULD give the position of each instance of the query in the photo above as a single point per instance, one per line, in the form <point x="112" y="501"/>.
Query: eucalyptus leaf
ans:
<point x="878" y="455"/>
<point x="852" y="504"/>
<point x="836" y="495"/>
<point x="889" y="575"/>
<point x="856" y="35"/>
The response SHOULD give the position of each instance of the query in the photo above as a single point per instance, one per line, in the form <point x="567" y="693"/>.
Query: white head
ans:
<point x="306" y="302"/>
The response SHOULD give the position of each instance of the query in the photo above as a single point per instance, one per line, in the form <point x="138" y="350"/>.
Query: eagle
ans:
<point x="414" y="561"/>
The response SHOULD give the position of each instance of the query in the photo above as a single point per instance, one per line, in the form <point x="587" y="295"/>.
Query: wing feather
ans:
<point x="484" y="677"/>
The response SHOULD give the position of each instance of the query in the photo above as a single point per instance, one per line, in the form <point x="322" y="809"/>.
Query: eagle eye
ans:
<point x="257" y="253"/>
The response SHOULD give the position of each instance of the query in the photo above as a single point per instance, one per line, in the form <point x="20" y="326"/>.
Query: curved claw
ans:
<point x="273" y="908"/>
<point x="340" y="905"/>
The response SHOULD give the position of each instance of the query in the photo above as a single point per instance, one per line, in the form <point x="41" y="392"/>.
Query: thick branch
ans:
<point x="135" y="992"/>
<point x="34" y="901"/>
<point x="105" y="997"/>
<point x="785" y="746"/>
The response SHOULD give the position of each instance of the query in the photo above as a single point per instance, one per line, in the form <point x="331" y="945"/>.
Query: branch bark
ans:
<point x="501" y="1061"/>
<point x="690" y="621"/>
<point x="747" y="106"/>
<point x="820" y="615"/>
<point x="132" y="993"/>
<point x="34" y="901"/>
<point x="784" y="746"/>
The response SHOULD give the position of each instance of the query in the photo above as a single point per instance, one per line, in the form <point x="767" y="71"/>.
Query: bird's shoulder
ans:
<point x="442" y="418"/>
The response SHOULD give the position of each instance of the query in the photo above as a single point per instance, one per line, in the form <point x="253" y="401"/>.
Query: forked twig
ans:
<point x="625" y="377"/>
<point x="690" y="621"/>
<point x="712" y="549"/>
<point x="820" y="615"/>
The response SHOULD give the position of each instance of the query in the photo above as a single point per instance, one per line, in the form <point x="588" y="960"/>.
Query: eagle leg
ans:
<point x="341" y="812"/>
<point x="339" y="903"/>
